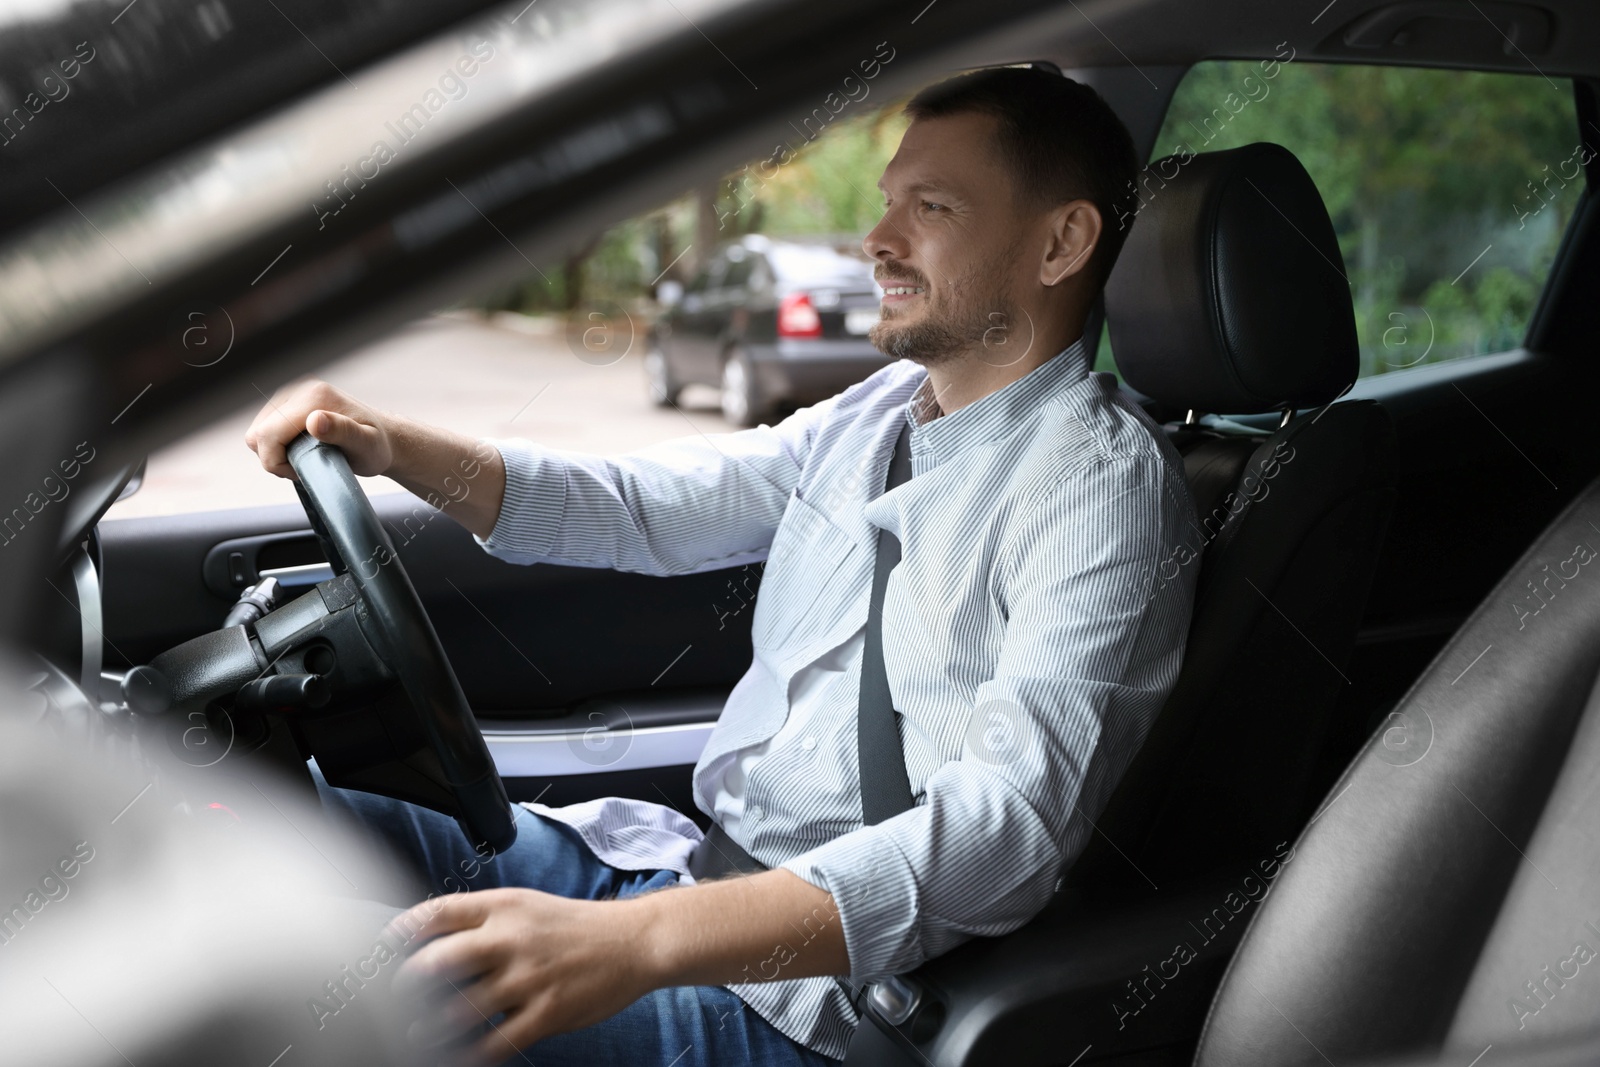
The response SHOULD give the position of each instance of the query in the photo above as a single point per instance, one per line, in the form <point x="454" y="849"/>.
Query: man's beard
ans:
<point x="975" y="313"/>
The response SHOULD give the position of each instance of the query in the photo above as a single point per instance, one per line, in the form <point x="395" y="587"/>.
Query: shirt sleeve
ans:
<point x="1087" y="657"/>
<point x="690" y="504"/>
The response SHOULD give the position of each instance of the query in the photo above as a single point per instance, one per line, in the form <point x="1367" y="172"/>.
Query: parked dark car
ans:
<point x="772" y="322"/>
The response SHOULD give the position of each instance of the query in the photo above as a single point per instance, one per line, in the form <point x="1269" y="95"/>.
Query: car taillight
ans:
<point x="797" y="318"/>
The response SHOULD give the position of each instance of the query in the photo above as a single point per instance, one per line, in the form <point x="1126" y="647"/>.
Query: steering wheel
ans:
<point x="350" y="533"/>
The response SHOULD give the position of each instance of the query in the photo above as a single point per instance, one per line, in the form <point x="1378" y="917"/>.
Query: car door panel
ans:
<point x="1491" y="448"/>
<point x="642" y="746"/>
<point x="586" y="681"/>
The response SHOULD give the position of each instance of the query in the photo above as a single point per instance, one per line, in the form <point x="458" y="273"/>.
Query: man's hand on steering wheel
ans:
<point x="330" y="415"/>
<point x="460" y="475"/>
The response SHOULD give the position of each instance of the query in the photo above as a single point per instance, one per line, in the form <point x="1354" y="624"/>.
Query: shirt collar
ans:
<point x="992" y="416"/>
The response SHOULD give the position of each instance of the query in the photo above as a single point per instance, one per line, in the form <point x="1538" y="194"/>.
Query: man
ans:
<point x="1025" y="643"/>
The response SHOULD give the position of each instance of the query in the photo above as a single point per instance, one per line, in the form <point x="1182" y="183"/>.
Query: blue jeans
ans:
<point x="681" y="1026"/>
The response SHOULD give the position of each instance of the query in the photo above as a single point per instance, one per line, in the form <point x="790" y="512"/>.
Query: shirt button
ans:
<point x="808" y="743"/>
<point x="755" y="812"/>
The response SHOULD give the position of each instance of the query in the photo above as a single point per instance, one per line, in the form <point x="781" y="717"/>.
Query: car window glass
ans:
<point x="760" y="273"/>
<point x="738" y="274"/>
<point x="814" y="264"/>
<point x="557" y="353"/>
<point x="709" y="277"/>
<point x="1449" y="190"/>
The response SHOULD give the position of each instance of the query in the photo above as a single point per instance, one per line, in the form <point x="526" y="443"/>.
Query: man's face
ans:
<point x="953" y="247"/>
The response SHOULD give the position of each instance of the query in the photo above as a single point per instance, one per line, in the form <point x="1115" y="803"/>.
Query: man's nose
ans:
<point x="886" y="241"/>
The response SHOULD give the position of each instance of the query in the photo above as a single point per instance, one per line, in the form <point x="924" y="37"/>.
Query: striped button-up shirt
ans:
<point x="1027" y="637"/>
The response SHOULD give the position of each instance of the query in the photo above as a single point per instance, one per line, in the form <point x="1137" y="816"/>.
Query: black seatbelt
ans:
<point x="885" y="786"/>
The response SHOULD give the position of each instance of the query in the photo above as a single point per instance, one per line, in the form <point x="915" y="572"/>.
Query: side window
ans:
<point x="1449" y="190"/>
<point x="760" y="273"/>
<point x="738" y="271"/>
<point x="738" y="274"/>
<point x="708" y="276"/>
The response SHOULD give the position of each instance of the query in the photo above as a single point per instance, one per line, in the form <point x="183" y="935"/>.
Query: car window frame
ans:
<point x="1547" y="294"/>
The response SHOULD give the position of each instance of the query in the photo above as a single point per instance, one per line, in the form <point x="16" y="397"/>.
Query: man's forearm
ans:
<point x="460" y="475"/>
<point x="760" y="927"/>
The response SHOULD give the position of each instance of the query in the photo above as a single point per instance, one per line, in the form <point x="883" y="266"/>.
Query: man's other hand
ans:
<point x="549" y="963"/>
<point x="553" y="965"/>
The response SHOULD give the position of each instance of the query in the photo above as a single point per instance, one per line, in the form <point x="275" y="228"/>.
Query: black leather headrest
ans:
<point x="1230" y="294"/>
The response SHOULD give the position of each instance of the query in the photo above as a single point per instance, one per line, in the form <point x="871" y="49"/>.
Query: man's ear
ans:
<point x="1074" y="233"/>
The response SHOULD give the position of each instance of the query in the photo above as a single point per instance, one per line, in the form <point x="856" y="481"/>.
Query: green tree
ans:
<point x="1422" y="171"/>
<point x="831" y="186"/>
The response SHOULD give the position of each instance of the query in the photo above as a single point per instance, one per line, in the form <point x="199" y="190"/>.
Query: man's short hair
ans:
<point x="1060" y="139"/>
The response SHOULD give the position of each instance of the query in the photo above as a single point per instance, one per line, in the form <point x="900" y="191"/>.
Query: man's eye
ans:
<point x="931" y="206"/>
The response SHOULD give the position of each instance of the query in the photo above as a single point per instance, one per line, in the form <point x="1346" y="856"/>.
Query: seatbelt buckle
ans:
<point x="893" y="999"/>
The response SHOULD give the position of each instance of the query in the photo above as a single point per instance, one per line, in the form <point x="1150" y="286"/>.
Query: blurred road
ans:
<point x="510" y="377"/>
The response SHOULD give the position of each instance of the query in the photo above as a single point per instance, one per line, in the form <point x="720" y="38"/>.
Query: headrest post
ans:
<point x="1192" y="418"/>
<point x="1288" y="413"/>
